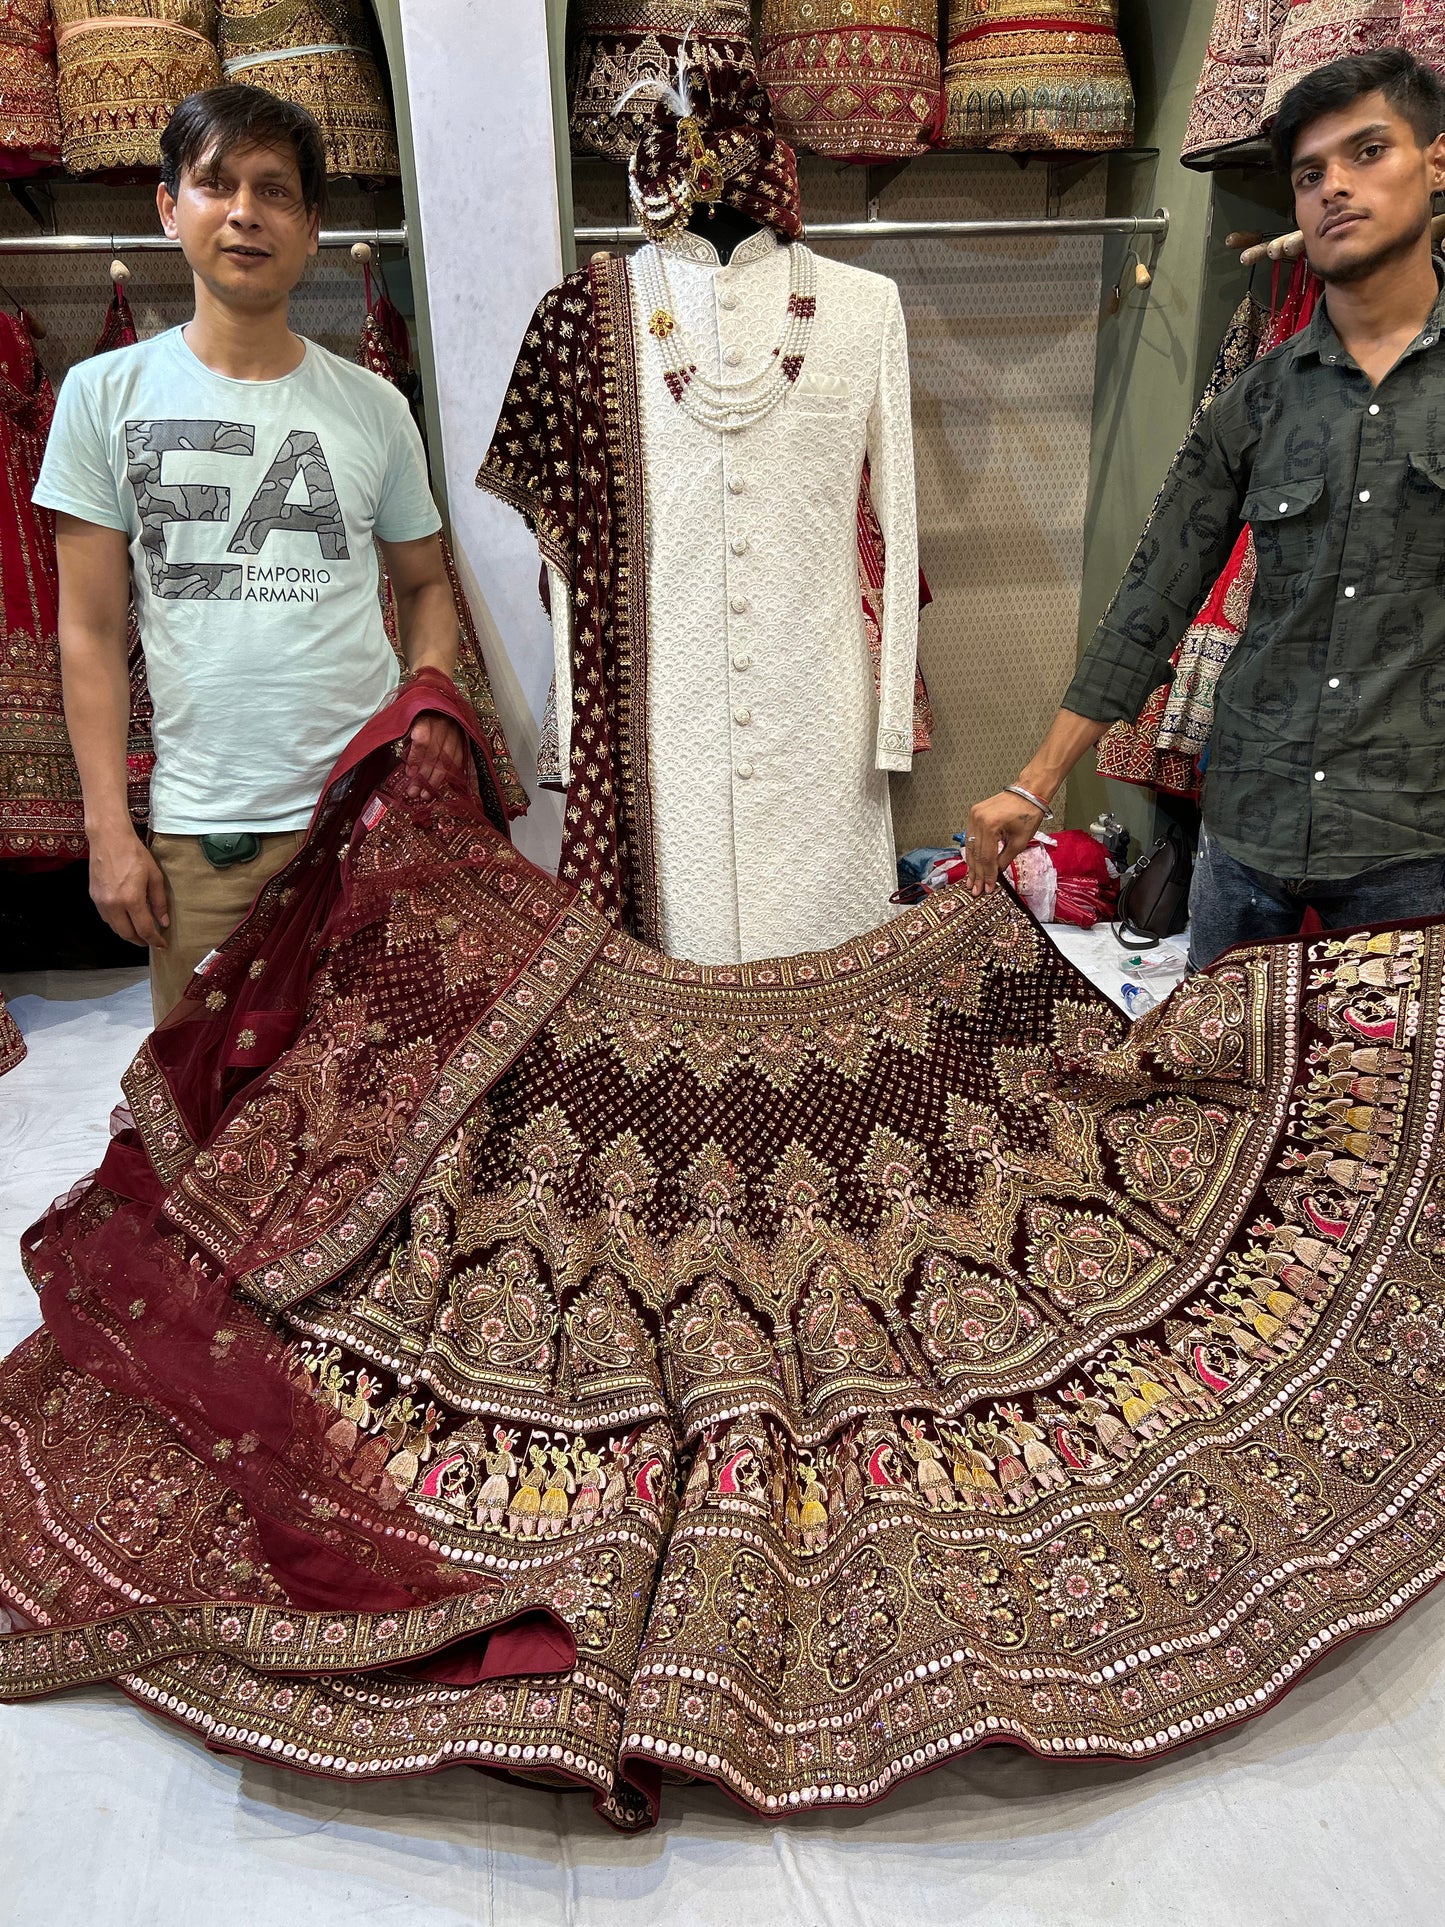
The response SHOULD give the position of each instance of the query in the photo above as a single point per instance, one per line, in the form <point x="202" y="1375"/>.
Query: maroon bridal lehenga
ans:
<point x="494" y="1343"/>
<point x="12" y="1044"/>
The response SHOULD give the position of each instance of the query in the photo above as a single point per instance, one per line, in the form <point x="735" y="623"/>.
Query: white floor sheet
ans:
<point x="1330" y="1809"/>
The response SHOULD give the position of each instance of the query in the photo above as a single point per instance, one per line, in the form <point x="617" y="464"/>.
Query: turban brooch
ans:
<point x="711" y="140"/>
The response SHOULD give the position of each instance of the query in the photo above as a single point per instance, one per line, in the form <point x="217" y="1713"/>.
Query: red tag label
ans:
<point x="373" y="813"/>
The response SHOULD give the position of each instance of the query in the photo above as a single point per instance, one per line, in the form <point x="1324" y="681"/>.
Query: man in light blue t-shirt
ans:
<point x="239" y="478"/>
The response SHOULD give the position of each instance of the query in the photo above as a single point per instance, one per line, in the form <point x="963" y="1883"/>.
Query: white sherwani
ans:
<point x="767" y="750"/>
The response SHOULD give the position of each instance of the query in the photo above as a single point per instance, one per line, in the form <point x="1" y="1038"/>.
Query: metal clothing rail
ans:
<point x="340" y="237"/>
<point x="1135" y="226"/>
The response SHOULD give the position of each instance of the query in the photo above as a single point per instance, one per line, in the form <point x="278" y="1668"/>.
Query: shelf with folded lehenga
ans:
<point x="1258" y="49"/>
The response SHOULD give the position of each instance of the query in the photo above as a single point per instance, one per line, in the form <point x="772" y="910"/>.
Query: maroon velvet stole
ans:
<point x="283" y="1114"/>
<point x="567" y="453"/>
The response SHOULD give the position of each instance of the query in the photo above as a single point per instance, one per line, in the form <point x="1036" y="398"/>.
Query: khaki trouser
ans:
<point x="205" y="905"/>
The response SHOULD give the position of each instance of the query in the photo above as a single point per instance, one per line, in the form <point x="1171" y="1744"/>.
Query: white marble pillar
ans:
<point x="479" y="86"/>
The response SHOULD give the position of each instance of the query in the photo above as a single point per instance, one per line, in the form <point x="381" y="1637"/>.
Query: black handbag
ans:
<point x="1154" y="893"/>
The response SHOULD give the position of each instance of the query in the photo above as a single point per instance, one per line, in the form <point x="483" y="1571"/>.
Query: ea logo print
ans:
<point x="161" y="504"/>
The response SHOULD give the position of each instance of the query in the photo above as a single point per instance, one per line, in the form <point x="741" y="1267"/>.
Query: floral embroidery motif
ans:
<point x="1405" y="1333"/>
<point x="1082" y="1257"/>
<point x="859" y="1619"/>
<point x="1285" y="1486"/>
<point x="970" y="1587"/>
<point x="680" y="1597"/>
<point x="1357" y="1436"/>
<point x="1082" y="1587"/>
<point x="1169" y="1152"/>
<point x="1191" y="1537"/>
<point x="965" y="1316"/>
<point x="751" y="1606"/>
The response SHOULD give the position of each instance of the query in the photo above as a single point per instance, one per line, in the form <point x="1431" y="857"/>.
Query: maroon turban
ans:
<point x="712" y="139"/>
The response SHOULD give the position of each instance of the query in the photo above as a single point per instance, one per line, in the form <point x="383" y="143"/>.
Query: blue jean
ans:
<point x="1229" y="903"/>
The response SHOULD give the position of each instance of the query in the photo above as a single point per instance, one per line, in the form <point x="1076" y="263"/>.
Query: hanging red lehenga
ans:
<point x="34" y="821"/>
<point x="386" y="351"/>
<point x="12" y="1044"/>
<point x="42" y="821"/>
<point x="499" y="1344"/>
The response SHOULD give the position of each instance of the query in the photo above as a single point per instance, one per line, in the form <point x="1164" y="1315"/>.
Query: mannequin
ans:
<point x="685" y="429"/>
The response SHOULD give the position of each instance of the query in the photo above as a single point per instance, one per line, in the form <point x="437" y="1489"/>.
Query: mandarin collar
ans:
<point x="687" y="246"/>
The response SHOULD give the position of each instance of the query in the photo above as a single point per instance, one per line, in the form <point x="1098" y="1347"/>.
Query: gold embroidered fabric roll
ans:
<point x="855" y="79"/>
<point x="123" y="67"/>
<point x="1318" y="31"/>
<point x="1229" y="100"/>
<point x="323" y="55"/>
<point x="622" y="42"/>
<point x="1032" y="76"/>
<point x="29" y="111"/>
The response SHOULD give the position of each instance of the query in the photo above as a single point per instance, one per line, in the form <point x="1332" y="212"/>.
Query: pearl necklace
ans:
<point x="728" y="406"/>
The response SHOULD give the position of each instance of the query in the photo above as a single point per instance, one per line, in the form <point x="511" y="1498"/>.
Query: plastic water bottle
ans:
<point x="1137" y="998"/>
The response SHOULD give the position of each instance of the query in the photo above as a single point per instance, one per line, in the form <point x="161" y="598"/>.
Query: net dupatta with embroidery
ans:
<point x="151" y="1315"/>
<point x="492" y="1342"/>
<point x="1163" y="749"/>
<point x="386" y="351"/>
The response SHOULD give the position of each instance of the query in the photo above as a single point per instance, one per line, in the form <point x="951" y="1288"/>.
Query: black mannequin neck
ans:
<point x="725" y="227"/>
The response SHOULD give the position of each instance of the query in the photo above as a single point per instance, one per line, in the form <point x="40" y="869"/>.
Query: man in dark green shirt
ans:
<point x="1326" y="774"/>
